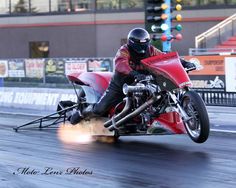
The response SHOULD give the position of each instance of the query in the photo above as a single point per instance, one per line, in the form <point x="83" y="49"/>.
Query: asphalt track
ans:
<point x="38" y="159"/>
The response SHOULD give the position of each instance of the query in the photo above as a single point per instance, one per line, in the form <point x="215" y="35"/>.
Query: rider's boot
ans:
<point x="77" y="115"/>
<point x="88" y="111"/>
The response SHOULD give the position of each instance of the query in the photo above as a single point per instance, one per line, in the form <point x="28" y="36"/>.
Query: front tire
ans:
<point x="198" y="127"/>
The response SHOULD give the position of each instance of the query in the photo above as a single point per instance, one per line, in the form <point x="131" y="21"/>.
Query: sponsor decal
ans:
<point x="16" y="68"/>
<point x="70" y="97"/>
<point x="216" y="83"/>
<point x="6" y="96"/>
<point x="55" y="71"/>
<point x="212" y="65"/>
<point x="54" y="67"/>
<point x="35" y="98"/>
<point x="3" y="69"/>
<point x="185" y="84"/>
<point x="34" y="68"/>
<point x="75" y="65"/>
<point x="95" y="65"/>
<point x="48" y="99"/>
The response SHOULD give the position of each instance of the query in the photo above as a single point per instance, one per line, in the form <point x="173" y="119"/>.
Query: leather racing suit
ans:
<point x="125" y="61"/>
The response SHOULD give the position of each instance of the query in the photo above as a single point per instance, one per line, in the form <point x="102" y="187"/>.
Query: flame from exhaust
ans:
<point x="84" y="132"/>
<point x="68" y="133"/>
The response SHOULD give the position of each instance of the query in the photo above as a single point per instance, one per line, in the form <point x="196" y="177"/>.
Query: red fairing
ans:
<point x="169" y="66"/>
<point x="99" y="81"/>
<point x="172" y="121"/>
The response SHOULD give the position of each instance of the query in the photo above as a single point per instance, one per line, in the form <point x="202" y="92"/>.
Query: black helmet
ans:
<point x="138" y="40"/>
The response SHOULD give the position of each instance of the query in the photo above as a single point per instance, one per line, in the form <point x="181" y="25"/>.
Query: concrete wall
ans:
<point x="34" y="98"/>
<point x="109" y="38"/>
<point x="63" y="41"/>
<point x="92" y="35"/>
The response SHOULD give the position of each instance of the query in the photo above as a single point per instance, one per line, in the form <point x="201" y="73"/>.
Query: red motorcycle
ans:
<point x="162" y="103"/>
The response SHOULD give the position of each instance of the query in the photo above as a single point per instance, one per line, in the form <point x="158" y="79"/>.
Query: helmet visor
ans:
<point x="139" y="47"/>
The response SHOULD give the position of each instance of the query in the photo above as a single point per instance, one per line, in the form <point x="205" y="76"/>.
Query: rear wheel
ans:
<point x="198" y="126"/>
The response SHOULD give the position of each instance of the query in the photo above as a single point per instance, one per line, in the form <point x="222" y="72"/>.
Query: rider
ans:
<point x="127" y="69"/>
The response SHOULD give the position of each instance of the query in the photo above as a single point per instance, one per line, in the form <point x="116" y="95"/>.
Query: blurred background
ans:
<point x="42" y="41"/>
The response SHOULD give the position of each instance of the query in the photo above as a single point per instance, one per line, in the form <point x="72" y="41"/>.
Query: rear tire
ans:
<point x="198" y="127"/>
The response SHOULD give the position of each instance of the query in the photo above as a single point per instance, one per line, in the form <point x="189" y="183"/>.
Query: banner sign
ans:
<point x="230" y="74"/>
<point x="54" y="67"/>
<point x="75" y="65"/>
<point x="16" y="68"/>
<point x="34" y="68"/>
<point x="213" y="65"/>
<point x="35" y="98"/>
<point x="3" y="69"/>
<point x="218" y="73"/>
<point x="208" y="83"/>
<point x="96" y="65"/>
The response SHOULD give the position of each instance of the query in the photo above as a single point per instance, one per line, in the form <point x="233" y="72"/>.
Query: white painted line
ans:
<point x="22" y="114"/>
<point x="41" y="115"/>
<point x="223" y="131"/>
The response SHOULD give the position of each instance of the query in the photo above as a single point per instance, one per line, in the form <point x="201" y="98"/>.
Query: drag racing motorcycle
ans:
<point x="162" y="103"/>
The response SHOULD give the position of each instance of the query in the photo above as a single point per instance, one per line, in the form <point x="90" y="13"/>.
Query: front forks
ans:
<point x="183" y="114"/>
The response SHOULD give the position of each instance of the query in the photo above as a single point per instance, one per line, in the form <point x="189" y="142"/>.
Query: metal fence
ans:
<point x="218" y="98"/>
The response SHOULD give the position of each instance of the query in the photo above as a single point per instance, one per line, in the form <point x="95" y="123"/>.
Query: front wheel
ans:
<point x="198" y="126"/>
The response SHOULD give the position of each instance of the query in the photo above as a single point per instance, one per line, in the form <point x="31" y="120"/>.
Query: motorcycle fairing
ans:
<point x="172" y="122"/>
<point x="99" y="81"/>
<point x="169" y="66"/>
<point x="91" y="95"/>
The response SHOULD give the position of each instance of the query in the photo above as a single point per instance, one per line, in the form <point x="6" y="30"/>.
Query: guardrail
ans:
<point x="218" y="98"/>
<point x="217" y="34"/>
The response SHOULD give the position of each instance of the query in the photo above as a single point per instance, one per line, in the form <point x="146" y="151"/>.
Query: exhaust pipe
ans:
<point x="116" y="125"/>
<point x="121" y="114"/>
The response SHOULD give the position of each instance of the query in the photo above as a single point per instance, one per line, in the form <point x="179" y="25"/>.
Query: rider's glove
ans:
<point x="190" y="65"/>
<point x="187" y="64"/>
<point x="137" y="76"/>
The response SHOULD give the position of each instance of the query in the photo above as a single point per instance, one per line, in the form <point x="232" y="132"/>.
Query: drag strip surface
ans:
<point x="33" y="158"/>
